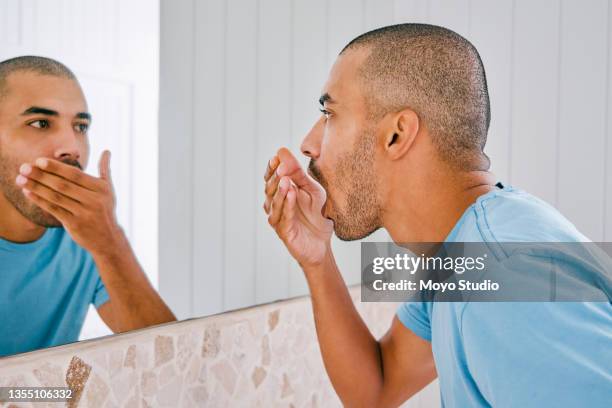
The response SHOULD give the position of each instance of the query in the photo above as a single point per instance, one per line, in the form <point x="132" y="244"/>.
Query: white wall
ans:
<point x="112" y="46"/>
<point x="240" y="78"/>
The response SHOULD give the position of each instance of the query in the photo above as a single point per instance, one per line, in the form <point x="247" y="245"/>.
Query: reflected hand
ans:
<point x="85" y="205"/>
<point x="294" y="202"/>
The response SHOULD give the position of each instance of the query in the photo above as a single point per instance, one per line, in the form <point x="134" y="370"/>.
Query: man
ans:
<point x="61" y="248"/>
<point x="400" y="146"/>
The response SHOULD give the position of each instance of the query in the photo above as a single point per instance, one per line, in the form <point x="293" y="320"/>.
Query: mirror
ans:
<point x="113" y="49"/>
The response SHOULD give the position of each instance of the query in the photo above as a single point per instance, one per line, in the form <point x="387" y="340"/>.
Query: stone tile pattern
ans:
<point x="265" y="356"/>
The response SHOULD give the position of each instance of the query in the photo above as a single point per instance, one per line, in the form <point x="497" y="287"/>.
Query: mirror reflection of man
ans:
<point x="61" y="248"/>
<point x="400" y="146"/>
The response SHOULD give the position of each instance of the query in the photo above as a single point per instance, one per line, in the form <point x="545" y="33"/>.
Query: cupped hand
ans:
<point x="294" y="204"/>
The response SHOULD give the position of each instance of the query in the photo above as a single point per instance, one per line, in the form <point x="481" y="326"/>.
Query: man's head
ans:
<point x="406" y="93"/>
<point x="43" y="113"/>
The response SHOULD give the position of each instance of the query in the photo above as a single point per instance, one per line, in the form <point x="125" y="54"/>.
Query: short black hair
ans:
<point x="35" y="64"/>
<point x="438" y="74"/>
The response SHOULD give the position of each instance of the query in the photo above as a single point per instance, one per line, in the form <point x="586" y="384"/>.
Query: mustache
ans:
<point x="73" y="163"/>
<point x="315" y="172"/>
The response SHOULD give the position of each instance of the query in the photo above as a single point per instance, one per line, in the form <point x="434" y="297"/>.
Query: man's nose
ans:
<point x="68" y="146"/>
<point x="311" y="145"/>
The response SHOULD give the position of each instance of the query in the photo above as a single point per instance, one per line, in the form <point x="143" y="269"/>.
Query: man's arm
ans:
<point x="133" y="302"/>
<point x="85" y="205"/>
<point x="363" y="371"/>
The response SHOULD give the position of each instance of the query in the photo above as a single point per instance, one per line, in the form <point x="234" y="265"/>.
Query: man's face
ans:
<point x="342" y="148"/>
<point x="40" y="116"/>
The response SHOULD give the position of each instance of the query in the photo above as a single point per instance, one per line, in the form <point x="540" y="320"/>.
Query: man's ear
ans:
<point x="402" y="131"/>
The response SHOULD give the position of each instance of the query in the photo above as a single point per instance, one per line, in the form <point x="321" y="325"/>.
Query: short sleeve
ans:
<point x="416" y="316"/>
<point x="100" y="295"/>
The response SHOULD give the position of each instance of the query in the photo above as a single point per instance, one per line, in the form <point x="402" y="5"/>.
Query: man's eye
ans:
<point x="81" y="127"/>
<point x="40" y="124"/>
<point x="325" y="113"/>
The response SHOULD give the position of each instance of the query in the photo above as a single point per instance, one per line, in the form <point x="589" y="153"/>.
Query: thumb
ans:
<point x="291" y="167"/>
<point x="104" y="166"/>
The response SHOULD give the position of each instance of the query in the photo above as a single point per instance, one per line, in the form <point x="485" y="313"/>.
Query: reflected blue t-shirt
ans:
<point x="517" y="354"/>
<point x="46" y="287"/>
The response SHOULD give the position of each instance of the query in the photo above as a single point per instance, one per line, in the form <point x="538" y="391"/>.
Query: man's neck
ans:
<point x="15" y="227"/>
<point x="427" y="210"/>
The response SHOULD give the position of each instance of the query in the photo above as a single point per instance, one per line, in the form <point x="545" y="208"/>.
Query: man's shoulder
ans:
<point x="513" y="215"/>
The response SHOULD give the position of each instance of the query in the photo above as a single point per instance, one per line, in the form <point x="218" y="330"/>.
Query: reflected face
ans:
<point x="342" y="149"/>
<point x="40" y="116"/>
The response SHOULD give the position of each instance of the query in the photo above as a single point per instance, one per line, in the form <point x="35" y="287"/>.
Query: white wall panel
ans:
<point x="345" y="21"/>
<point x="453" y="14"/>
<point x="582" y="114"/>
<point x="377" y="14"/>
<point x="240" y="124"/>
<point x="10" y="22"/>
<point x="208" y="183"/>
<point x="411" y="11"/>
<point x="535" y="98"/>
<point x="176" y="173"/>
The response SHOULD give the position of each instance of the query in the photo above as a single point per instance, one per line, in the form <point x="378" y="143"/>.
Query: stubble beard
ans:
<point x="355" y="177"/>
<point x="15" y="196"/>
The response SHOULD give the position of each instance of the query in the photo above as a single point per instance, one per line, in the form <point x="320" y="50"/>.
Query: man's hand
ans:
<point x="85" y="205"/>
<point x="294" y="202"/>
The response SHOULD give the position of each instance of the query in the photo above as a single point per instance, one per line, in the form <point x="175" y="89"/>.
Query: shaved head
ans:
<point x="34" y="64"/>
<point x="436" y="73"/>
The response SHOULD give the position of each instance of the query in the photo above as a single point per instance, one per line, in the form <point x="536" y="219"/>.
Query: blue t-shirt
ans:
<point x="517" y="354"/>
<point x="46" y="287"/>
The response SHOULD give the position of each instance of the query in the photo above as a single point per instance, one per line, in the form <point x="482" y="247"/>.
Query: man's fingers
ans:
<point x="276" y="210"/>
<point x="271" y="167"/>
<point x="272" y="184"/>
<point x="51" y="195"/>
<point x="270" y="189"/>
<point x="104" y="166"/>
<point x="291" y="167"/>
<point x="289" y="208"/>
<point x="267" y="204"/>
<point x="68" y="172"/>
<point x="58" y="212"/>
<point x="59" y="184"/>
